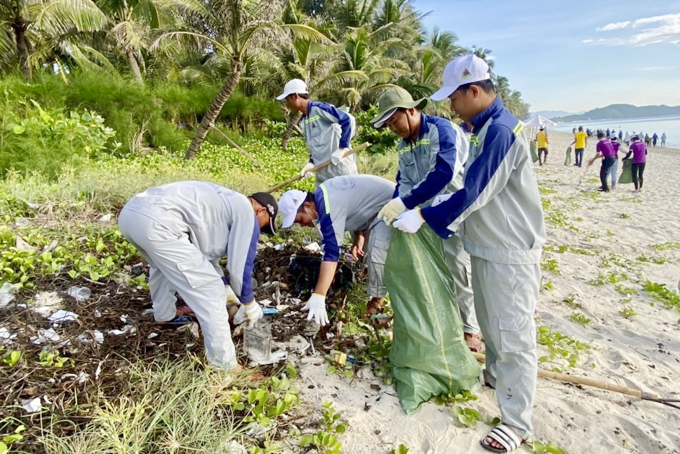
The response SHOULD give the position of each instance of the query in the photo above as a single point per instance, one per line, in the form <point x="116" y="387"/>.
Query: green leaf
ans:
<point x="306" y="440"/>
<point x="19" y="129"/>
<point x="341" y="428"/>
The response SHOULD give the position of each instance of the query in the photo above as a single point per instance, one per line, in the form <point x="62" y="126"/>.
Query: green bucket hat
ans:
<point x="393" y="99"/>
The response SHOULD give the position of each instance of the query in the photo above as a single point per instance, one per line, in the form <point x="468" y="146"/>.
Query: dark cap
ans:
<point x="269" y="202"/>
<point x="542" y="128"/>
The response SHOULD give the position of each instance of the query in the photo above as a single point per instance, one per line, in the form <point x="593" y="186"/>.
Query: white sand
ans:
<point x="641" y="352"/>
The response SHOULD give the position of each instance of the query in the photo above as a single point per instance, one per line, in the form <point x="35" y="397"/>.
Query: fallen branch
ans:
<point x="238" y="147"/>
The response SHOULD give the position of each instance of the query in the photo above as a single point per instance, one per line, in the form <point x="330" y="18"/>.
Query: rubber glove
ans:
<point x="391" y="210"/>
<point x="251" y="312"/>
<point x="309" y="166"/>
<point x="338" y="155"/>
<point x="231" y="296"/>
<point x="316" y="305"/>
<point x="409" y="222"/>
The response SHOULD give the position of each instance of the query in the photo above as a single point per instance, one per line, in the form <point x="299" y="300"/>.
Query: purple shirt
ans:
<point x="615" y="146"/>
<point x="639" y="150"/>
<point x="605" y="147"/>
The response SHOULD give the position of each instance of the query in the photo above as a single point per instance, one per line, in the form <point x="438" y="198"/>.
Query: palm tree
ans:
<point x="231" y="28"/>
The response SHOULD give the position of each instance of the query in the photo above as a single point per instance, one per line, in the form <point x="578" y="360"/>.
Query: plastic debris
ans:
<point x="33" y="205"/>
<point x="126" y="329"/>
<point x="152" y="335"/>
<point x="106" y="218"/>
<point x="91" y="336"/>
<point x="7" y="292"/>
<point x="269" y="311"/>
<point x="5" y="334"/>
<point x="45" y="303"/>
<point x="313" y="247"/>
<point x="191" y="328"/>
<point x="22" y="245"/>
<point x="97" y="313"/>
<point x="45" y="335"/>
<point x="62" y="316"/>
<point x="79" y="293"/>
<point x="31" y="405"/>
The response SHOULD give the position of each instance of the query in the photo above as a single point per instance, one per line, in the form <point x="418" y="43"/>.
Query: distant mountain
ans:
<point x="553" y="113"/>
<point x="621" y="111"/>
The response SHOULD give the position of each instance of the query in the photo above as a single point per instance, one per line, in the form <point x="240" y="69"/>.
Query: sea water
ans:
<point x="658" y="125"/>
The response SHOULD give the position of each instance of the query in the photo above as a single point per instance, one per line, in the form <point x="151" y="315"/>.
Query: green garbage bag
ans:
<point x="429" y="355"/>
<point x="627" y="173"/>
<point x="534" y="154"/>
<point x="567" y="159"/>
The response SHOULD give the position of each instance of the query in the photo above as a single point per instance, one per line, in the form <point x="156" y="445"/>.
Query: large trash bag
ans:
<point x="627" y="173"/>
<point x="429" y="355"/>
<point x="534" y="153"/>
<point x="567" y="159"/>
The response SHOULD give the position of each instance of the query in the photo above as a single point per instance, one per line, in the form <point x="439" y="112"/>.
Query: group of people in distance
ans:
<point x="607" y="149"/>
<point x="473" y="184"/>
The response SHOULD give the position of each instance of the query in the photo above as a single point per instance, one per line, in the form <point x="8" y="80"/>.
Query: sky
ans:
<point x="573" y="55"/>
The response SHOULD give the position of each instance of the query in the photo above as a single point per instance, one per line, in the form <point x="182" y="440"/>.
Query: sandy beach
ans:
<point x="600" y="251"/>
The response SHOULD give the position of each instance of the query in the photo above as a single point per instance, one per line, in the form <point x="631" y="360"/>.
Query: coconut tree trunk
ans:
<point x="292" y="121"/>
<point x="20" y="25"/>
<point x="215" y="108"/>
<point x="134" y="66"/>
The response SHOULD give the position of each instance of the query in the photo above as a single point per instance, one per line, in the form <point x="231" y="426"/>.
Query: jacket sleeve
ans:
<point x="485" y="178"/>
<point x="443" y="146"/>
<point x="396" y="188"/>
<point x="241" y="248"/>
<point x="332" y="231"/>
<point x="334" y="115"/>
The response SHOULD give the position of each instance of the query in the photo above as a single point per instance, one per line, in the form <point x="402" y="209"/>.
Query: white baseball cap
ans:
<point x="289" y="204"/>
<point x="460" y="71"/>
<point x="293" y="86"/>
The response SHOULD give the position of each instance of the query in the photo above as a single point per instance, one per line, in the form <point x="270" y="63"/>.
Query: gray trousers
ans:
<point x="177" y="265"/>
<point x="347" y="166"/>
<point x="505" y="299"/>
<point x="376" y="254"/>
<point x="458" y="262"/>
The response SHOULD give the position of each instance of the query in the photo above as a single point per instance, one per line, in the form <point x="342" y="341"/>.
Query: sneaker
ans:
<point x="175" y="322"/>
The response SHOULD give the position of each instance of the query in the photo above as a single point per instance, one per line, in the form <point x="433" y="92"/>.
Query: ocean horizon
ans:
<point x="668" y="124"/>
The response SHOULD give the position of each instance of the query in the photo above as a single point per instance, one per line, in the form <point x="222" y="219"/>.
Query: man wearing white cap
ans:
<point x="327" y="132"/>
<point x="346" y="203"/>
<point x="431" y="159"/>
<point x="183" y="229"/>
<point x="498" y="214"/>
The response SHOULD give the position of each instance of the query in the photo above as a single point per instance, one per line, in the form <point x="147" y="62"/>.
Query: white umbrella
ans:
<point x="539" y="121"/>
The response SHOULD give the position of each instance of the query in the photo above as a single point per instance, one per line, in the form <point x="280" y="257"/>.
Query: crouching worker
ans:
<point x="183" y="229"/>
<point x="345" y="203"/>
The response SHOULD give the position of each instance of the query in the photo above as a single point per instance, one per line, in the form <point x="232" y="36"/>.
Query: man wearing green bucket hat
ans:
<point x="432" y="153"/>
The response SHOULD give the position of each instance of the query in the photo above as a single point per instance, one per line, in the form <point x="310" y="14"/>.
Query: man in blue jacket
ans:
<point x="327" y="132"/>
<point x="498" y="214"/>
<point x="431" y="159"/>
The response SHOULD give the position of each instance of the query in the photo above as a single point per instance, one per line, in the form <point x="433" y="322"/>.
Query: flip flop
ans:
<point x="504" y="436"/>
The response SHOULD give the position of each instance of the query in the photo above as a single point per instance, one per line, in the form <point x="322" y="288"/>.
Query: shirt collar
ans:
<point x="424" y="128"/>
<point x="480" y="119"/>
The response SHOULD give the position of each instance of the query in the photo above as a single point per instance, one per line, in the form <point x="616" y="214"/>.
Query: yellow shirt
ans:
<point x="542" y="139"/>
<point x="580" y="139"/>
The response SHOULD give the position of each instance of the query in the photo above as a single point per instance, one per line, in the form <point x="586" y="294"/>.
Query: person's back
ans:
<point x="581" y="138"/>
<point x="542" y="139"/>
<point x="639" y="150"/>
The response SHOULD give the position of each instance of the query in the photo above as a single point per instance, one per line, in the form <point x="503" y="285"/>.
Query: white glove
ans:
<point x="338" y="155"/>
<point x="251" y="312"/>
<point x="391" y="210"/>
<point x="409" y="222"/>
<point x="316" y="305"/>
<point x="309" y="166"/>
<point x="231" y="296"/>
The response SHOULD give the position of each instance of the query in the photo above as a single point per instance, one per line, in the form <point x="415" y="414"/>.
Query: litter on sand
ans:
<point x="62" y="316"/>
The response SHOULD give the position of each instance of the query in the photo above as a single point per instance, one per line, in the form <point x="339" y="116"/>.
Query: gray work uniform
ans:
<point x="327" y="128"/>
<point x="431" y="166"/>
<point x="183" y="229"/>
<point x="351" y="203"/>
<point x="499" y="216"/>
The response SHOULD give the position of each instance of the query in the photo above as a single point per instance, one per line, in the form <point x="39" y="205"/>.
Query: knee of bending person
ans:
<point x="517" y="333"/>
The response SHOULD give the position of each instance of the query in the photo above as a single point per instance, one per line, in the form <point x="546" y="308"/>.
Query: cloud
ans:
<point x="641" y="32"/>
<point x="613" y="26"/>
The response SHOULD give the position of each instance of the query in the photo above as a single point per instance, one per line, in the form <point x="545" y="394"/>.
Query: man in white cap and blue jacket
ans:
<point x="498" y="215"/>
<point x="183" y="229"/>
<point x="432" y="155"/>
<point x="346" y="203"/>
<point x="327" y="132"/>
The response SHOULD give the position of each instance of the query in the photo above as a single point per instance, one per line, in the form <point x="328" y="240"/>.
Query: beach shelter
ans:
<point x="539" y="121"/>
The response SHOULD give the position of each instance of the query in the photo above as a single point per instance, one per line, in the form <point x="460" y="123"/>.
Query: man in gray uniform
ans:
<point x="431" y="159"/>
<point x="327" y="132"/>
<point x="498" y="214"/>
<point x="183" y="229"/>
<point x="346" y="203"/>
